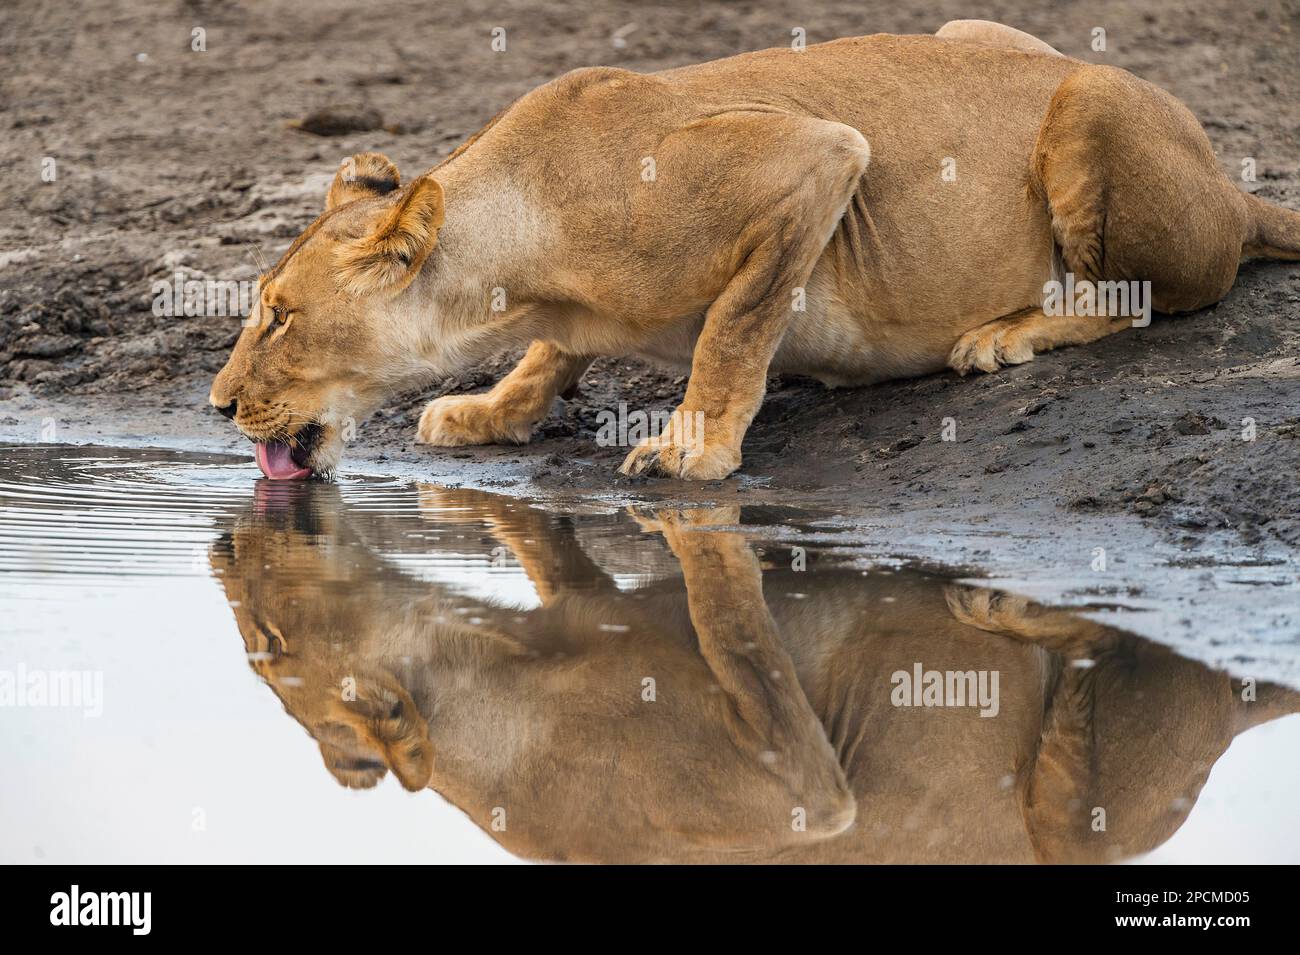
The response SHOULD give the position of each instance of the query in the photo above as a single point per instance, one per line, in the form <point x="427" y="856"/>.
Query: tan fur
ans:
<point x="772" y="693"/>
<point x="993" y="34"/>
<point x="779" y="211"/>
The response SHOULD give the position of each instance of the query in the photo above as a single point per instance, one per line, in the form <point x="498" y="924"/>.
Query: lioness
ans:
<point x="709" y="709"/>
<point x="865" y="209"/>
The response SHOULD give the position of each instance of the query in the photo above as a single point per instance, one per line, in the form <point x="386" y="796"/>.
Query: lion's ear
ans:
<point x="388" y="258"/>
<point x="361" y="177"/>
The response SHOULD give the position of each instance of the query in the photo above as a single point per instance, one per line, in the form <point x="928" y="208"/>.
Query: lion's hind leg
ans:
<point x="1135" y="192"/>
<point x="1142" y="218"/>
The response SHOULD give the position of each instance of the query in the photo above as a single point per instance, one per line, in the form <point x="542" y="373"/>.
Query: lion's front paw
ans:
<point x="454" y="421"/>
<point x="693" y="461"/>
<point x="989" y="347"/>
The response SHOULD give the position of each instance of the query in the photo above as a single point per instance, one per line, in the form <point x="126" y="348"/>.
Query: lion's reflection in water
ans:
<point x="670" y="694"/>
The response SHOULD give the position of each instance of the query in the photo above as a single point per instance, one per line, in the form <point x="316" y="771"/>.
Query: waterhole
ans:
<point x="200" y="666"/>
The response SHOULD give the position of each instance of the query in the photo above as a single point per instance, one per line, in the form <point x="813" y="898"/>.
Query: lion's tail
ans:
<point x="1274" y="232"/>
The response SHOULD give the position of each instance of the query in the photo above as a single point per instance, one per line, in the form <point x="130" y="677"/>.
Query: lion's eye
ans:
<point x="279" y="314"/>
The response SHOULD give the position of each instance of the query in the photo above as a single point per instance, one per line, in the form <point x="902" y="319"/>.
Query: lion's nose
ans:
<point x="227" y="410"/>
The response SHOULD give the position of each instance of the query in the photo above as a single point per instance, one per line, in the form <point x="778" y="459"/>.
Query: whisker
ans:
<point x="299" y="416"/>
<point x="259" y="259"/>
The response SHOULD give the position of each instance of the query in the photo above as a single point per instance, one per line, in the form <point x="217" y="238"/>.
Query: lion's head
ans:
<point x="333" y="332"/>
<point x="302" y="587"/>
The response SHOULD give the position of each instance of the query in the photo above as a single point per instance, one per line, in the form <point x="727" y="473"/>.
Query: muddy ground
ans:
<point x="173" y="159"/>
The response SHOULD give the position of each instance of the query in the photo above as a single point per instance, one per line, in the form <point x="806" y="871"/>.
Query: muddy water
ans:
<point x="199" y="666"/>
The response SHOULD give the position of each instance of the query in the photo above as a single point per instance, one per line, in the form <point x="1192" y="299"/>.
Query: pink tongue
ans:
<point x="276" y="462"/>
